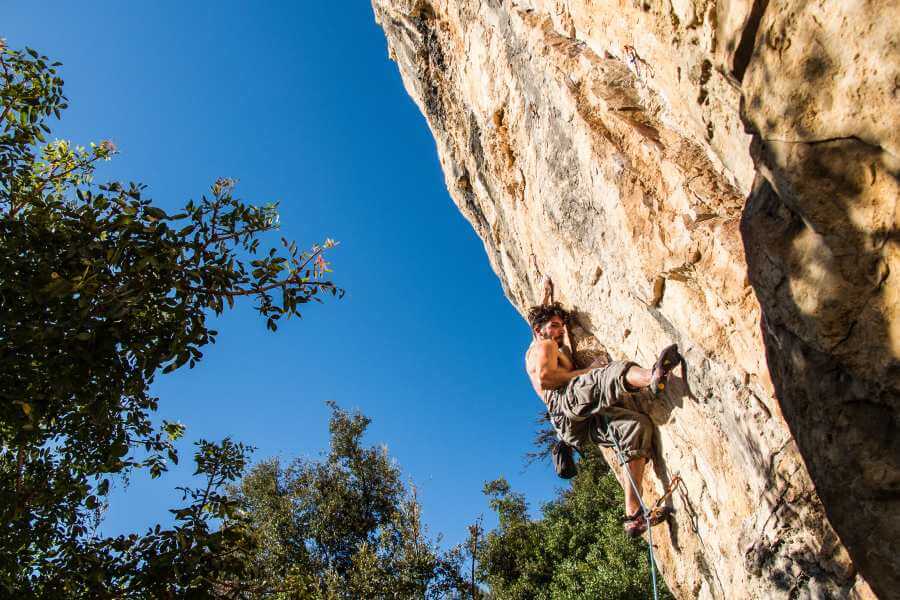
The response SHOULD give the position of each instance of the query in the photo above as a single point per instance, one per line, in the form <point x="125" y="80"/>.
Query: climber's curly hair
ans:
<point x="538" y="315"/>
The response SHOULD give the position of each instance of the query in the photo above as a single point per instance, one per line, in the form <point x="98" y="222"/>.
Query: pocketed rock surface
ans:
<point x="719" y="173"/>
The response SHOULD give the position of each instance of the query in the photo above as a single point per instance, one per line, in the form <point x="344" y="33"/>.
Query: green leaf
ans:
<point x="155" y="213"/>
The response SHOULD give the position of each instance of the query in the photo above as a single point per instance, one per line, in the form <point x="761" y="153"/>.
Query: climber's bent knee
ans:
<point x="631" y="455"/>
<point x="613" y="382"/>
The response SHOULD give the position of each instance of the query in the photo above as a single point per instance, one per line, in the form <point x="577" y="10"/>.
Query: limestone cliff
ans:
<point x="724" y="174"/>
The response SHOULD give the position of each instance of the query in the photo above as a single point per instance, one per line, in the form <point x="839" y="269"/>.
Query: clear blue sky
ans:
<point x="299" y="101"/>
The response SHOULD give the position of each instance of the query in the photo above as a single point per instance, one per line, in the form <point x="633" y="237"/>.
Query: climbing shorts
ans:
<point x="596" y="404"/>
<point x="632" y="430"/>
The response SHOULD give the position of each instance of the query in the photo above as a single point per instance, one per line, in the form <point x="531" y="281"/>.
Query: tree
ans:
<point x="100" y="291"/>
<point x="342" y="527"/>
<point x="576" y="551"/>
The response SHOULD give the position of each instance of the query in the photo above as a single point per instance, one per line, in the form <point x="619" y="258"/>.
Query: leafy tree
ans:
<point x="100" y="291"/>
<point x="576" y="551"/>
<point x="194" y="558"/>
<point x="341" y="527"/>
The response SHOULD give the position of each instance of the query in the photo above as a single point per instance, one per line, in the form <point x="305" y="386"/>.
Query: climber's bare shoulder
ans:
<point x="542" y="354"/>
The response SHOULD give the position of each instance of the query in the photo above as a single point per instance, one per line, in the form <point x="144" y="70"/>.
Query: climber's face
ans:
<point x="554" y="329"/>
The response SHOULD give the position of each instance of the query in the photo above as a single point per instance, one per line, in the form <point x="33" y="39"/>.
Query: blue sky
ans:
<point x="299" y="102"/>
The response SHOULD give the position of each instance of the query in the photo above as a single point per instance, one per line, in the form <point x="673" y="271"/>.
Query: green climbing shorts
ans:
<point x="592" y="407"/>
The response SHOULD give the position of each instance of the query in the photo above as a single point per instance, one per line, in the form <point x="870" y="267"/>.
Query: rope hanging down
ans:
<point x="644" y="510"/>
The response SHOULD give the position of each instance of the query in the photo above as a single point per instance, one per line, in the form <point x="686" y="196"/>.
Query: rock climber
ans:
<point x="585" y="405"/>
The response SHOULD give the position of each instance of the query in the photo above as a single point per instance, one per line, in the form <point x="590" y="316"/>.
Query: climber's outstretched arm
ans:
<point x="548" y="291"/>
<point x="547" y="300"/>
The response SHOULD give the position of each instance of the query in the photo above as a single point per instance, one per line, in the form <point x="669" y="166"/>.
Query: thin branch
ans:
<point x="229" y="236"/>
<point x="6" y="110"/>
<point x="80" y="164"/>
<point x="265" y="288"/>
<point x="20" y="468"/>
<point x="7" y="77"/>
<point x="209" y="485"/>
<point x="213" y="221"/>
<point x="311" y="256"/>
<point x="14" y="209"/>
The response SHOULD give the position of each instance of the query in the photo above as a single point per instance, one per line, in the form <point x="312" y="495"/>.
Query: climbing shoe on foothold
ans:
<point x="635" y="525"/>
<point x="668" y="359"/>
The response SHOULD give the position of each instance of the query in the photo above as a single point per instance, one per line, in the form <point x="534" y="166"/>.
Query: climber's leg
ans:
<point x="630" y="434"/>
<point x="637" y="377"/>
<point x="636" y="470"/>
<point x="603" y="387"/>
<point x="634" y="435"/>
<point x="628" y="377"/>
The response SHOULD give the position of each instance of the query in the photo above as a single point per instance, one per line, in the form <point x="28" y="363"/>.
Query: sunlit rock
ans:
<point x="723" y="174"/>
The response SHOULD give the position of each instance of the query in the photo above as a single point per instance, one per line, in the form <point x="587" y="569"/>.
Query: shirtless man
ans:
<point x="585" y="404"/>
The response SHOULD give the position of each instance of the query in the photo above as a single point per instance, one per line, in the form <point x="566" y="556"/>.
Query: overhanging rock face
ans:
<point x="723" y="174"/>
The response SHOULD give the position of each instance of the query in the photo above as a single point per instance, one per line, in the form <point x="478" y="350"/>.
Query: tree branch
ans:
<point x="311" y="256"/>
<point x="7" y="77"/>
<point x="79" y="164"/>
<point x="263" y="289"/>
<point x="20" y="467"/>
<point x="230" y="236"/>
<point x="6" y="110"/>
<point x="209" y="485"/>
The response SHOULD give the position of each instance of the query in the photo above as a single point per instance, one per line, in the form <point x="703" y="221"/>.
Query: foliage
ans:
<point x="543" y="441"/>
<point x="341" y="527"/>
<point x="576" y="551"/>
<point x="101" y="290"/>
<point x="191" y="559"/>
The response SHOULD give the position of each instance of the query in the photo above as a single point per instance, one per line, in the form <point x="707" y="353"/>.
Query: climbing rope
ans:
<point x="644" y="510"/>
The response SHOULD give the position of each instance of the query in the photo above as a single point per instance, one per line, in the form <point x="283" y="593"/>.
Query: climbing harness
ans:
<point x="645" y="512"/>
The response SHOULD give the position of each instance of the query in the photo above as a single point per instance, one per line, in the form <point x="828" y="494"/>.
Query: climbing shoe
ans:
<point x="668" y="359"/>
<point x="637" y="524"/>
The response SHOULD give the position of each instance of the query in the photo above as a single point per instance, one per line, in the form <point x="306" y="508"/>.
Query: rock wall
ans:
<point x="724" y="174"/>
